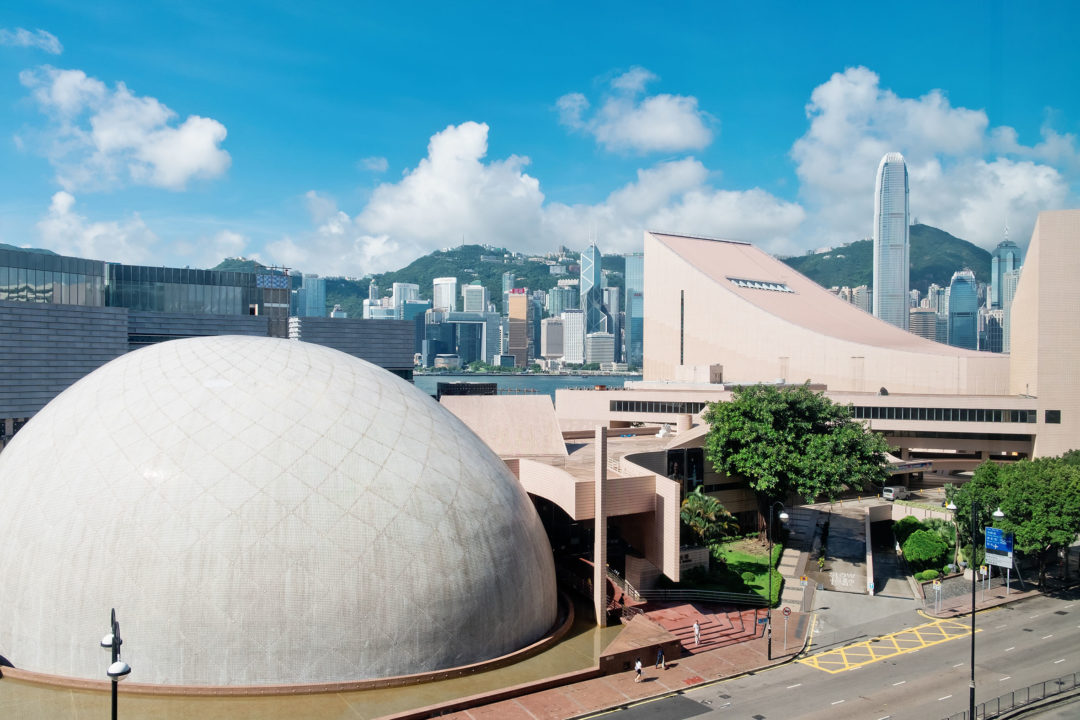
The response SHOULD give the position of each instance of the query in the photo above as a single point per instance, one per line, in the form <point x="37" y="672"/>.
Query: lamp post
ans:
<point x="118" y="669"/>
<point x="974" y="512"/>
<point x="768" y="603"/>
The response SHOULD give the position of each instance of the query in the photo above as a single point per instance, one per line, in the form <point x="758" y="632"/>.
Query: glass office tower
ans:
<point x="592" y="298"/>
<point x="891" y="241"/>
<point x="964" y="310"/>
<point x="1005" y="258"/>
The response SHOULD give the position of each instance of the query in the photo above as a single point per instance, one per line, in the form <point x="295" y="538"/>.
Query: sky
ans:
<point x="351" y="138"/>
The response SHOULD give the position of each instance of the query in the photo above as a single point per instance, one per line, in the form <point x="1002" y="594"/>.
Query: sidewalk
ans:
<point x="961" y="604"/>
<point x="612" y="691"/>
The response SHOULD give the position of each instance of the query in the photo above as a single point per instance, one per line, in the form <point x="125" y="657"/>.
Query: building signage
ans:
<point x="999" y="548"/>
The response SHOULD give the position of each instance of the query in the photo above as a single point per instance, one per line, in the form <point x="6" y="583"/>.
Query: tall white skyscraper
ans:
<point x="402" y="293"/>
<point x="892" y="265"/>
<point x="444" y="294"/>
<point x="573" y="336"/>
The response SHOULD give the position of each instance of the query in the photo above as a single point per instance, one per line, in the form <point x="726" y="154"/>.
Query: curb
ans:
<point x="682" y="691"/>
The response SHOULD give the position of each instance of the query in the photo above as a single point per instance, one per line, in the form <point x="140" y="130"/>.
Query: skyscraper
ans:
<point x="1005" y="258"/>
<point x="401" y="293"/>
<point x="551" y="338"/>
<point x="476" y="297"/>
<point x="518" y="337"/>
<point x="507" y="285"/>
<point x="592" y="299"/>
<point x="891" y="262"/>
<point x="923" y="323"/>
<point x="634" y="309"/>
<point x="573" y="336"/>
<point x="964" y="310"/>
<point x="444" y="294"/>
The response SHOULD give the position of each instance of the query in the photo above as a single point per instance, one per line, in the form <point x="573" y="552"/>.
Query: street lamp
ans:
<point x="768" y="604"/>
<point x="974" y="512"/>
<point x="118" y="669"/>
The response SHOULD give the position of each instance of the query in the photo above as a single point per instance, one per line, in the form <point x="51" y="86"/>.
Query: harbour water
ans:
<point x="525" y="384"/>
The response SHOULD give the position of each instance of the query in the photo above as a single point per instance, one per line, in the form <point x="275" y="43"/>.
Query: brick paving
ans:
<point x="716" y="660"/>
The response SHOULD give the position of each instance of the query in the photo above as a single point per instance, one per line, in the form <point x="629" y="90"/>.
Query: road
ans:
<point x="919" y="673"/>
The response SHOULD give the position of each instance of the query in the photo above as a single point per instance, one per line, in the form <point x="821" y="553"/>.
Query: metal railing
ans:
<point x="714" y="596"/>
<point x="1020" y="698"/>
<point x="623" y="583"/>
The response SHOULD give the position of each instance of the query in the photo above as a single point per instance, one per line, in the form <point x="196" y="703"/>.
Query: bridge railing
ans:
<point x="1019" y="698"/>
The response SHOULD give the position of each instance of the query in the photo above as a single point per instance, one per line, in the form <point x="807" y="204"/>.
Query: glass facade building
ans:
<point x="592" y="299"/>
<point x="37" y="277"/>
<point x="964" y="310"/>
<point x="184" y="290"/>
<point x="1005" y="258"/>
<point x="892" y="266"/>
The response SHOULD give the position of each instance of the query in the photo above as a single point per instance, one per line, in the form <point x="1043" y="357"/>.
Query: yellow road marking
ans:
<point x="887" y="646"/>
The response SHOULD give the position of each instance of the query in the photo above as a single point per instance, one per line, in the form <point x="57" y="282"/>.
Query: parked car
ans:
<point x="895" y="492"/>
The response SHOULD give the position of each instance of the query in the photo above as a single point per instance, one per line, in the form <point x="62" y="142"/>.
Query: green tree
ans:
<point x="924" y="550"/>
<point x="1040" y="499"/>
<point x="792" y="440"/>
<point x="706" y="518"/>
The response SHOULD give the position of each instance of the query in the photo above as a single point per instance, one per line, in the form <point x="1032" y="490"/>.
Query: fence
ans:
<point x="713" y="596"/>
<point x="1019" y="698"/>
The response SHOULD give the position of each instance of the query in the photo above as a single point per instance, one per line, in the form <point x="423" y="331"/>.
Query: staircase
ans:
<point x="717" y="629"/>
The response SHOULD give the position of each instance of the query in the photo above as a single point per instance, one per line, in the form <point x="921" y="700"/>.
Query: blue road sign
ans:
<point x="998" y="541"/>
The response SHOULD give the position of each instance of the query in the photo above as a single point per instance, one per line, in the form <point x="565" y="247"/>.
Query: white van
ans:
<point x="895" y="492"/>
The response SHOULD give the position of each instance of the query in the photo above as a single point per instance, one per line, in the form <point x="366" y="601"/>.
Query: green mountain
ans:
<point x="239" y="265"/>
<point x="935" y="255"/>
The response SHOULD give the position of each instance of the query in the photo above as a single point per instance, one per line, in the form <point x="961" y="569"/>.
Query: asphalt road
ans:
<point x="1017" y="645"/>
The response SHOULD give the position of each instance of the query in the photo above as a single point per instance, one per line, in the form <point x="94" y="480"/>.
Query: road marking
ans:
<point x="958" y="664"/>
<point x="888" y="646"/>
<point x="899" y="683"/>
<point x="885" y="718"/>
<point x="838" y="702"/>
<point x="1059" y="661"/>
<point x="1001" y="627"/>
<point x="944" y="698"/>
<point x="1032" y="617"/>
<point x="1047" y="637"/>
<point x="1012" y="648"/>
<point x="789" y="687"/>
<point x="1007" y="677"/>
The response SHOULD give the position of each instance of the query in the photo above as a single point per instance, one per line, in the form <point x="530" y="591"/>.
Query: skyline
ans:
<point x="356" y="143"/>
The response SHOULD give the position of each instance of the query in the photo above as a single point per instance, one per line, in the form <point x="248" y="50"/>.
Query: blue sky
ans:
<point x="351" y="138"/>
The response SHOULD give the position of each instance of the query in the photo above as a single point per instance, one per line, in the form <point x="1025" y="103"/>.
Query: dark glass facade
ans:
<point x="182" y="290"/>
<point x="27" y="276"/>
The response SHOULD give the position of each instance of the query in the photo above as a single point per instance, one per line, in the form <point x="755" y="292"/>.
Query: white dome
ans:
<point x="261" y="511"/>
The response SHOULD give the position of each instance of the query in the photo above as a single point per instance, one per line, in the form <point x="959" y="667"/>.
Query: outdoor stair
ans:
<point x="717" y="629"/>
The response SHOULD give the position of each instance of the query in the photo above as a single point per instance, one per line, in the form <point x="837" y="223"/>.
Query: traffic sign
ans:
<point x="787" y="611"/>
<point x="998" y="540"/>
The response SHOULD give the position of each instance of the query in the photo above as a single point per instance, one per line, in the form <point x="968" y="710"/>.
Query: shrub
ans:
<point x="927" y="575"/>
<point x="749" y="578"/>
<point x="924" y="549"/>
<point x="904" y="527"/>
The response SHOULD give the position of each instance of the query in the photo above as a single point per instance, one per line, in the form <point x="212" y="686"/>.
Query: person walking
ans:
<point x="660" y="658"/>
<point x="637" y="669"/>
<point x="697" y="633"/>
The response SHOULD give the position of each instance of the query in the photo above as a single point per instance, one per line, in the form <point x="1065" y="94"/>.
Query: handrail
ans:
<point x="705" y="596"/>
<point x="623" y="583"/>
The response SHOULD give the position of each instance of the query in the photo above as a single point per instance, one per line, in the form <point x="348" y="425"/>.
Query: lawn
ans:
<point x="739" y="566"/>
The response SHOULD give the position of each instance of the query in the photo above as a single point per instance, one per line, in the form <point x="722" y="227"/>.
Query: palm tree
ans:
<point x="706" y="517"/>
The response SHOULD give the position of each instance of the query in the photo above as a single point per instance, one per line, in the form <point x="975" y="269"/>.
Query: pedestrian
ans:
<point x="660" y="658"/>
<point x="697" y="633"/>
<point x="637" y="669"/>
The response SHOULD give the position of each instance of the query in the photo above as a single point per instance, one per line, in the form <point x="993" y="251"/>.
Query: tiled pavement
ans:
<point x="609" y="691"/>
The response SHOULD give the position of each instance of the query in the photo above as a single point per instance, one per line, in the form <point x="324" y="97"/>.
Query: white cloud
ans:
<point x="64" y="231"/>
<point x="102" y="138"/>
<point x="40" y="39"/>
<point x="206" y="252"/>
<point x="960" y="177"/>
<point x="628" y="122"/>
<point x="375" y="164"/>
<point x="454" y="193"/>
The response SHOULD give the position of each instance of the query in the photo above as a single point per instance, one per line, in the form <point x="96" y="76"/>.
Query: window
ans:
<point x="1053" y="417"/>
